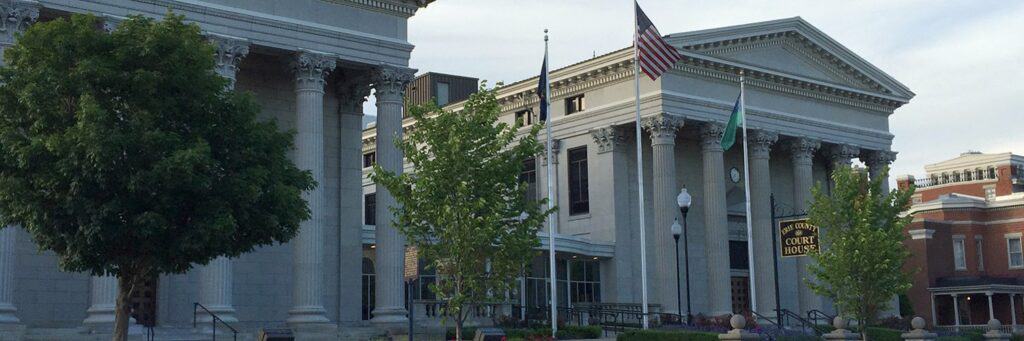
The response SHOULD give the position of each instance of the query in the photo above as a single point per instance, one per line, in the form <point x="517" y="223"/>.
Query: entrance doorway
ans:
<point x="143" y="303"/>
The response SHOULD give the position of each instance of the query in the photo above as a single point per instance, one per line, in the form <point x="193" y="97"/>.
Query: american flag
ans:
<point x="654" y="55"/>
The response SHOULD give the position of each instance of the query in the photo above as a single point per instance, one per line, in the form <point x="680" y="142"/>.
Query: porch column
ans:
<point x="760" y="143"/>
<point x="662" y="128"/>
<point x="16" y="16"/>
<point x="991" y="314"/>
<point x="351" y="91"/>
<point x="802" y="157"/>
<point x="390" y="313"/>
<point x="1013" y="313"/>
<point x="716" y="220"/>
<point x="956" y="311"/>
<point x="935" y="317"/>
<point x="216" y="278"/>
<point x="310" y="68"/>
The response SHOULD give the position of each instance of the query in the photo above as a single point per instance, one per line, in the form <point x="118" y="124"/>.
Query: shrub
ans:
<point x="883" y="334"/>
<point x="661" y="335"/>
<point x="467" y="333"/>
<point x="798" y="337"/>
<point x="893" y="322"/>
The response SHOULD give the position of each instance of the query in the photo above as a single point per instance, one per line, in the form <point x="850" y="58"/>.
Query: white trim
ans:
<point x="959" y="245"/>
<point x="921" y="234"/>
<point x="1009" y="255"/>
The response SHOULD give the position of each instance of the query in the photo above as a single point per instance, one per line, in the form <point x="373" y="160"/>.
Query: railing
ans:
<point x="979" y="327"/>
<point x="791" y="319"/>
<point x="150" y="334"/>
<point x="213" y="321"/>
<point x="819" y="317"/>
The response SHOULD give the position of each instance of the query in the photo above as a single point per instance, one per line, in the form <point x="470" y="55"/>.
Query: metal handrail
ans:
<point x="786" y="315"/>
<point x="213" y="321"/>
<point x="814" y="315"/>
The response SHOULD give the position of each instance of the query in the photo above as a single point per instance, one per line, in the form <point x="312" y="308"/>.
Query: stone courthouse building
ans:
<point x="311" y="64"/>
<point x="812" y="104"/>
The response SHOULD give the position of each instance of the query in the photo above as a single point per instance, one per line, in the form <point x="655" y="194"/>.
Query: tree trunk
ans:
<point x="122" y="311"/>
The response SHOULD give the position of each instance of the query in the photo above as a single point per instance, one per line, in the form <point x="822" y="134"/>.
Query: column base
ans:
<point x="307" y="315"/>
<point x="12" y="331"/>
<point x="315" y="331"/>
<point x="100" y="318"/>
<point x="7" y="314"/>
<point x="394" y="321"/>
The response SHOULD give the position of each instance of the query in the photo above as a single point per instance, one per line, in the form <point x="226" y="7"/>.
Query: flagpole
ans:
<point x="552" y="220"/>
<point x="640" y="173"/>
<point x="746" y="190"/>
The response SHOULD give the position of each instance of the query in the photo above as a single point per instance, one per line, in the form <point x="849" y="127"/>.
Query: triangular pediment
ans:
<point x="790" y="47"/>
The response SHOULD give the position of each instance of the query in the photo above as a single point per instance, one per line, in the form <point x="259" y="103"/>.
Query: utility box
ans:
<point x="275" y="335"/>
<point x="489" y="334"/>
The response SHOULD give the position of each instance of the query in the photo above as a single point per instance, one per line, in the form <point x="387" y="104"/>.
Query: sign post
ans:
<point x="798" y="238"/>
<point x="412" y="272"/>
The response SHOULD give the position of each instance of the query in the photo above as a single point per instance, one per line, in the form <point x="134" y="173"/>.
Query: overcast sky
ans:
<point x="963" y="59"/>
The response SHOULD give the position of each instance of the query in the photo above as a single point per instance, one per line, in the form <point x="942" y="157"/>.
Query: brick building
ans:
<point x="965" y="240"/>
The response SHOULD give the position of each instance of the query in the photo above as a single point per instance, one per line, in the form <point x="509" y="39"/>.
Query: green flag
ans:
<point x="729" y="138"/>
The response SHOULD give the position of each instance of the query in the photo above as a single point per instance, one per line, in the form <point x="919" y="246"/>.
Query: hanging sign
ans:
<point x="798" y="237"/>
<point x="412" y="263"/>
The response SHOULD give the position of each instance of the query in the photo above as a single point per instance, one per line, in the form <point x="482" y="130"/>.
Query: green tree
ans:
<point x="125" y="154"/>
<point x="464" y="205"/>
<point x="861" y="264"/>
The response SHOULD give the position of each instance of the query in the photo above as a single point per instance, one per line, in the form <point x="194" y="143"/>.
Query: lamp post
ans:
<point x="684" y="201"/>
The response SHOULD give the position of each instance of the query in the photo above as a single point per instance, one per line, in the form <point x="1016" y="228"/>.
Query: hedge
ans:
<point x="661" y="335"/>
<point x="884" y="334"/>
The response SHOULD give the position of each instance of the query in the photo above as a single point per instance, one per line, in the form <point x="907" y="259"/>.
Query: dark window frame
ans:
<point x="370" y="209"/>
<point x="524" y="117"/>
<point x="369" y="159"/>
<point x="575" y="104"/>
<point x="579" y="181"/>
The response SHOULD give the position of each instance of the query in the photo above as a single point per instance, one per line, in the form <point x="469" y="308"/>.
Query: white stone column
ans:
<point x="102" y="302"/>
<point x="216" y="278"/>
<point x="351" y="92"/>
<point x="801" y="152"/>
<point x="877" y="160"/>
<point x="612" y="205"/>
<point x="15" y="17"/>
<point x="310" y="69"/>
<point x="663" y="274"/>
<point x="389" y="83"/>
<point x="716" y="218"/>
<point x="760" y="144"/>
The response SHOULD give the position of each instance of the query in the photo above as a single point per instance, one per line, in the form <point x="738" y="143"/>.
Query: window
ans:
<point x="524" y="117"/>
<point x="979" y="174"/>
<point x="945" y="178"/>
<point x="959" y="261"/>
<point x="369" y="159"/>
<point x="370" y="209"/>
<point x="738" y="256"/>
<point x="956" y="176"/>
<point x="978" y="248"/>
<point x="967" y="175"/>
<point x="529" y="176"/>
<point x="990" y="193"/>
<point x="579" y="196"/>
<point x="584" y="281"/>
<point x="575" y="104"/>
<point x="1013" y="250"/>
<point x="991" y="173"/>
<point x="442" y="93"/>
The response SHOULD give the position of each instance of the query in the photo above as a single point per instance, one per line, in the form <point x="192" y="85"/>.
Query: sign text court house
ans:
<point x="798" y="237"/>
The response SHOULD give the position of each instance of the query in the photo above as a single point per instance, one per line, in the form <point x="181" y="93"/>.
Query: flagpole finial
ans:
<point x="545" y="34"/>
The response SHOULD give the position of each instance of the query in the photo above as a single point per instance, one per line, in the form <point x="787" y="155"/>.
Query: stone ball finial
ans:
<point x="917" y="322"/>
<point x="737" y="321"/>
<point x="994" y="324"/>
<point x="839" y="322"/>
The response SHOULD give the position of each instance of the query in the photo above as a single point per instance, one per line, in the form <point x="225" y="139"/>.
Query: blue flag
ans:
<point x="542" y="90"/>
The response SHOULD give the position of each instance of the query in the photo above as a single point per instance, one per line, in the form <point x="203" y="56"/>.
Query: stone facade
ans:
<point x="811" y="105"/>
<point x="310" y="66"/>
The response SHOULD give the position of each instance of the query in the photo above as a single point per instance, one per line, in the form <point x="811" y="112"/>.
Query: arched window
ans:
<point x="991" y="172"/>
<point x="956" y="176"/>
<point x="978" y="174"/>
<point x="945" y="178"/>
<point x="967" y="175"/>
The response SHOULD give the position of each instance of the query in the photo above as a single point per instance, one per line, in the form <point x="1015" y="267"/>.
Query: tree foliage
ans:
<point x="464" y="205"/>
<point x="125" y="154"/>
<point x="861" y="264"/>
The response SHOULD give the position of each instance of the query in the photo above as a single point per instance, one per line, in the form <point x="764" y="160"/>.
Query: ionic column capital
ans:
<point x="711" y="136"/>
<point x="662" y="128"/>
<point x="802" y="149"/>
<point x="229" y="52"/>
<point x="842" y="154"/>
<point x="390" y="81"/>
<point x="760" y="142"/>
<point x="311" y="69"/>
<point x="609" y="139"/>
<point x="15" y="17"/>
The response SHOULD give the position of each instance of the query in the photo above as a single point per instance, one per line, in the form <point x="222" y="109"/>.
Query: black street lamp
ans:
<point x="684" y="201"/>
